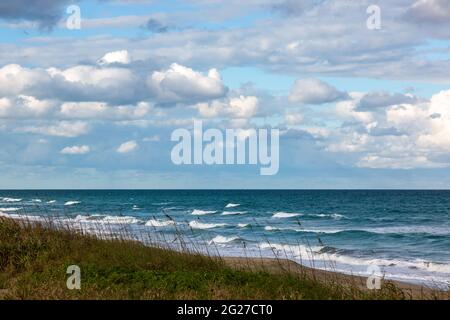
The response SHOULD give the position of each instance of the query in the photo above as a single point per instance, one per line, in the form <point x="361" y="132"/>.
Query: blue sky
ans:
<point x="95" y="107"/>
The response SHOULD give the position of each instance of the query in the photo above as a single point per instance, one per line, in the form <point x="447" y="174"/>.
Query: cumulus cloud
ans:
<point x="399" y="136"/>
<point x="127" y="147"/>
<point x="241" y="107"/>
<point x="76" y="150"/>
<point x="120" y="57"/>
<point x="25" y="107"/>
<point x="78" y="83"/>
<point x="179" y="83"/>
<point x="314" y="91"/>
<point x="112" y="84"/>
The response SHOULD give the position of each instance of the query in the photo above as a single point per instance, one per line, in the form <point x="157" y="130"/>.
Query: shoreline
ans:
<point x="36" y="259"/>
<point x="275" y="265"/>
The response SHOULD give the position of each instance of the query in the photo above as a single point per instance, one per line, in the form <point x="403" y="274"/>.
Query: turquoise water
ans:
<point x="405" y="233"/>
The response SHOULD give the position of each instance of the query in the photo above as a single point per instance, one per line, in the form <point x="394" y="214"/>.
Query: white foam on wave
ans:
<point x="271" y="228"/>
<point x="232" y="205"/>
<point x="36" y="200"/>
<point x="228" y="213"/>
<point x="335" y="216"/>
<point x="377" y="230"/>
<point x="285" y="215"/>
<point x="243" y="225"/>
<point x="71" y="203"/>
<point x="159" y="223"/>
<point x="135" y="207"/>
<point x="221" y="239"/>
<point x="104" y="219"/>
<point x="314" y="253"/>
<point x="197" y="212"/>
<point x="120" y="220"/>
<point x="434" y="230"/>
<point x="89" y="218"/>
<point x="329" y="231"/>
<point x="51" y="201"/>
<point x="9" y="209"/>
<point x="11" y="199"/>
<point x="201" y="225"/>
<point x="20" y="217"/>
<point x="388" y="230"/>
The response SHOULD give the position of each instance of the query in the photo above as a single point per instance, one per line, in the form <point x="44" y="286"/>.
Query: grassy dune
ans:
<point x="34" y="260"/>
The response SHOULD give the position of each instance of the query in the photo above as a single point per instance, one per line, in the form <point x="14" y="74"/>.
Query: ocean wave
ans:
<point x="201" y="225"/>
<point x="9" y="209"/>
<point x="316" y="253"/>
<point x="159" y="223"/>
<point x="120" y="220"/>
<point x="93" y="217"/>
<point x="227" y="213"/>
<point x="51" y="201"/>
<point x="197" y="212"/>
<point x="135" y="207"/>
<point x="335" y="216"/>
<point x="243" y="225"/>
<point x="271" y="228"/>
<point x="378" y="230"/>
<point x="105" y="219"/>
<point x="410" y="230"/>
<point x="11" y="199"/>
<point x="285" y="215"/>
<point x="232" y="205"/>
<point x="71" y="203"/>
<point x="329" y="231"/>
<point x="221" y="239"/>
<point x="36" y="200"/>
<point x="26" y="218"/>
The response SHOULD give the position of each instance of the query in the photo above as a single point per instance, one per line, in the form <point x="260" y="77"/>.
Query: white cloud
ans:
<point x="402" y="136"/>
<point x="101" y="77"/>
<point x="242" y="107"/>
<point x="24" y="107"/>
<point x="101" y="110"/>
<point x="314" y="91"/>
<point x="121" y="57"/>
<point x="15" y="79"/>
<point x="180" y="83"/>
<point x="61" y="129"/>
<point x="76" y="150"/>
<point x="78" y="83"/>
<point x="128" y="146"/>
<point x="293" y="118"/>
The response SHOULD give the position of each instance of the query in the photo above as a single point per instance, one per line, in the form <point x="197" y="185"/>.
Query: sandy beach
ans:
<point x="272" y="265"/>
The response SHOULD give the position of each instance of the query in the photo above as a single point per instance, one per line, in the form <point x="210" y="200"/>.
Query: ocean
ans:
<point x="406" y="234"/>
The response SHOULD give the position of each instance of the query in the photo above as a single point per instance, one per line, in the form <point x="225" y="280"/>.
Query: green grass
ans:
<point x="34" y="259"/>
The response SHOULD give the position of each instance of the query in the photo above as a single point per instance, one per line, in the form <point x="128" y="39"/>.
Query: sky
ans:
<point x="359" y="91"/>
